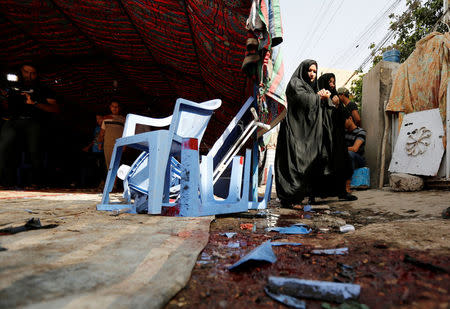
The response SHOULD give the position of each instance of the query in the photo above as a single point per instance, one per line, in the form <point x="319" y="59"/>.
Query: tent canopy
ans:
<point x="143" y="53"/>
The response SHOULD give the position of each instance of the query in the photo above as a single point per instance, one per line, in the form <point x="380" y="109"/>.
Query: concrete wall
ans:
<point x="377" y="84"/>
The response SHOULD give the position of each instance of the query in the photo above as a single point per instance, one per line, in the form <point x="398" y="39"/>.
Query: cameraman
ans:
<point x="26" y="105"/>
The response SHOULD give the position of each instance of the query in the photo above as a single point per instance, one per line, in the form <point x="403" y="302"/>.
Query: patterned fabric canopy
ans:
<point x="146" y="53"/>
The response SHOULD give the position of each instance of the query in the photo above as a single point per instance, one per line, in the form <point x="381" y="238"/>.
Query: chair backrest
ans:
<point x="190" y="119"/>
<point x="133" y="119"/>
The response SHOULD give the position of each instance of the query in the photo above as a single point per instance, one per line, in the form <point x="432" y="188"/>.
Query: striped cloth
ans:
<point x="351" y="137"/>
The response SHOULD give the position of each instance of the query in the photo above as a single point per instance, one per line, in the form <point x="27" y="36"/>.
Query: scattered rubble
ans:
<point x="32" y="224"/>
<point x="322" y="290"/>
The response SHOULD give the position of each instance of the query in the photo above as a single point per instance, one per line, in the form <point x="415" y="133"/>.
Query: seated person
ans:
<point x="344" y="98"/>
<point x="355" y="140"/>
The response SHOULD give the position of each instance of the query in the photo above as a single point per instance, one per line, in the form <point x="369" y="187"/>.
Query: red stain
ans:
<point x="191" y="143"/>
<point x="242" y="160"/>
<point x="170" y="211"/>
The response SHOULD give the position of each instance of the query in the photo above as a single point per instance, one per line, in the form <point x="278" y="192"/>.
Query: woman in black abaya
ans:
<point x="305" y="140"/>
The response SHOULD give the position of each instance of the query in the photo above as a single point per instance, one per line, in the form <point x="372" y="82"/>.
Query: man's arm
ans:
<point x="50" y="107"/>
<point x="356" y="145"/>
<point x="356" y="117"/>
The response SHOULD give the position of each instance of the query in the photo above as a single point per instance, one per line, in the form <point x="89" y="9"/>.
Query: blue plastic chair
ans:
<point x="189" y="120"/>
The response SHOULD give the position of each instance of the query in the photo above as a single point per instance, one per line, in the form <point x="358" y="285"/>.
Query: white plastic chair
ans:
<point x="189" y="120"/>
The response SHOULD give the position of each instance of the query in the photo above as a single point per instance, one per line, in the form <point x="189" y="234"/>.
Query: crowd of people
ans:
<point x="320" y="142"/>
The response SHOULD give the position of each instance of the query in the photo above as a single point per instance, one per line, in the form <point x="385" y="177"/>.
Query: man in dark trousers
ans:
<point x="26" y="105"/>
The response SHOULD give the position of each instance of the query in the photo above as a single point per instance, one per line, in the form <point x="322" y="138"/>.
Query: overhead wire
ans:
<point x="317" y="22"/>
<point x="382" y="43"/>
<point x="327" y="25"/>
<point x="374" y="24"/>
<point x="355" y="48"/>
<point x="316" y="19"/>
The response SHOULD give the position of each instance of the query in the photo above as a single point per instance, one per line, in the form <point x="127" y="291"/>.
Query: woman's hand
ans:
<point x="324" y="94"/>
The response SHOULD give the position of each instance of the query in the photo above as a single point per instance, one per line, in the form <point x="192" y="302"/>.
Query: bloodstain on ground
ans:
<point x="387" y="279"/>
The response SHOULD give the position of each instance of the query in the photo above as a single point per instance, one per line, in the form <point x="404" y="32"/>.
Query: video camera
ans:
<point x="11" y="86"/>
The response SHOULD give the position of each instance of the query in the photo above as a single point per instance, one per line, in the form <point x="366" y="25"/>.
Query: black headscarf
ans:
<point x="304" y="74"/>
<point x="324" y="83"/>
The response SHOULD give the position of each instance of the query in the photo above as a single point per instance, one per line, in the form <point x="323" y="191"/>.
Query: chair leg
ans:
<point x="112" y="172"/>
<point x="158" y="151"/>
<point x="190" y="204"/>
<point x="234" y="192"/>
<point x="267" y="194"/>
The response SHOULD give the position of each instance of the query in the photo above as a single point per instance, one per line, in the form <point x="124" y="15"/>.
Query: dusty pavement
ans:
<point x="398" y="253"/>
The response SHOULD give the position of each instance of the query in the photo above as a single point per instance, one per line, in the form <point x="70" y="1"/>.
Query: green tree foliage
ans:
<point x="419" y="19"/>
<point x="356" y="89"/>
<point x="415" y="23"/>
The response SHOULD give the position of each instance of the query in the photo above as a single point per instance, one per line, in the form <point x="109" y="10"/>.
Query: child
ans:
<point x="112" y="128"/>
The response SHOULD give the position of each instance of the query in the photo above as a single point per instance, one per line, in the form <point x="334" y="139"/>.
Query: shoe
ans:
<point x="348" y="197"/>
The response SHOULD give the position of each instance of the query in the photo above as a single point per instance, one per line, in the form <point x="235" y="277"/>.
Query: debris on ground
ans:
<point x="345" y="273"/>
<point x="429" y="266"/>
<point x="32" y="224"/>
<point x="281" y="243"/>
<point x="375" y="258"/>
<point x="321" y="290"/>
<point x="337" y="251"/>
<point x="296" y="229"/>
<point x="246" y="226"/>
<point x="307" y="208"/>
<point x="262" y="253"/>
<point x="446" y="213"/>
<point x="228" y="235"/>
<point x="346" y="228"/>
<point x="287" y="300"/>
<point x="234" y="244"/>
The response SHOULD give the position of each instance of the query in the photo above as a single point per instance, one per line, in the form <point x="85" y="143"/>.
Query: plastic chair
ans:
<point x="228" y="145"/>
<point x="189" y="120"/>
<point x="196" y="189"/>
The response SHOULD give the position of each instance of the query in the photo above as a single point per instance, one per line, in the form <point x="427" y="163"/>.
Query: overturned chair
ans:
<point x="190" y="183"/>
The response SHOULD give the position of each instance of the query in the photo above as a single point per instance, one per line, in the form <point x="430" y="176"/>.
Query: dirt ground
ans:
<point x="398" y="253"/>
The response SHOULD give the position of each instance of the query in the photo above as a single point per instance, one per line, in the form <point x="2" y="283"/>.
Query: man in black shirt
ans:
<point x="25" y="106"/>
<point x="344" y="97"/>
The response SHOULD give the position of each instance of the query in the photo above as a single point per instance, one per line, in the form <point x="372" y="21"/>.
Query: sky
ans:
<point x="335" y="33"/>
